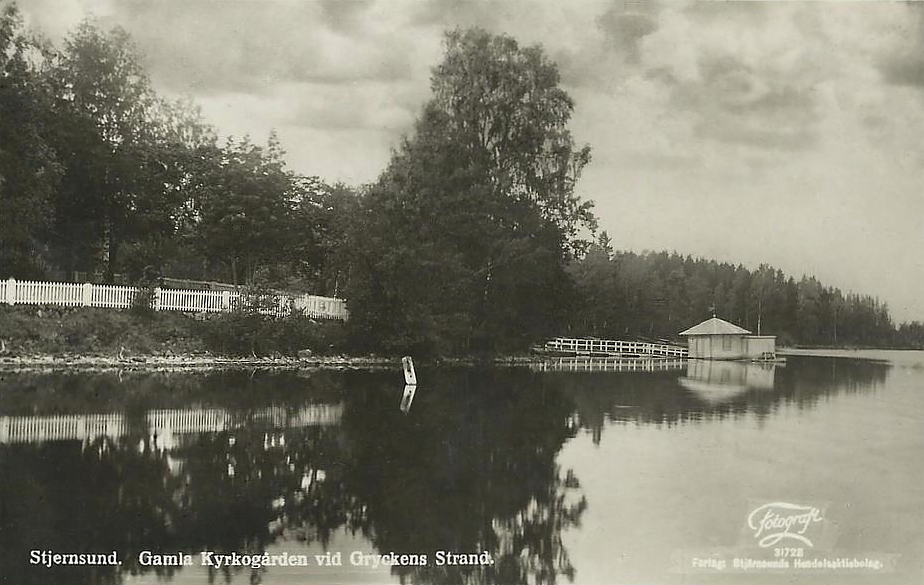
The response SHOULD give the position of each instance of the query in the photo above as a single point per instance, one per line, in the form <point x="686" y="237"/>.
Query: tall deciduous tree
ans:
<point x="29" y="170"/>
<point x="106" y="123"/>
<point x="171" y="168"/>
<point x="503" y="103"/>
<point x="461" y="243"/>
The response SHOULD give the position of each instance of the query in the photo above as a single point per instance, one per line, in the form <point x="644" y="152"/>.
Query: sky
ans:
<point x="785" y="133"/>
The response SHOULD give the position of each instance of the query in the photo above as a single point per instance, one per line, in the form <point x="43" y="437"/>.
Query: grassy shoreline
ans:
<point x="43" y="338"/>
<point x="69" y="333"/>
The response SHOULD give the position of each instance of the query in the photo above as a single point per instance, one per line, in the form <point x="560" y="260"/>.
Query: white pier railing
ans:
<point x="612" y="347"/>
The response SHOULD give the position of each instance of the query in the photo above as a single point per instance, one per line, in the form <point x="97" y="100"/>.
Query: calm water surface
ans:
<point x="586" y="477"/>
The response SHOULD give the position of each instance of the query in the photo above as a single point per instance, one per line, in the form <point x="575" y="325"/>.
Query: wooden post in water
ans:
<point x="410" y="384"/>
<point x="410" y="377"/>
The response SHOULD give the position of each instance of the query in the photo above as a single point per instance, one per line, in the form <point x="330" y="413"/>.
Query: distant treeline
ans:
<point x="471" y="240"/>
<point x="659" y="294"/>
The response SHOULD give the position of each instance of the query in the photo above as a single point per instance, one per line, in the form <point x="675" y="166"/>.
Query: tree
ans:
<point x="29" y="169"/>
<point x="170" y="171"/>
<point x="504" y="104"/>
<point x="463" y="239"/>
<point x="105" y="123"/>
<point x="245" y="207"/>
<point x="597" y="289"/>
<point x="319" y="255"/>
<point x="660" y="294"/>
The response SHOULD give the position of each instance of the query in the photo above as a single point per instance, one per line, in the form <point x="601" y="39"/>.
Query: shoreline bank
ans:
<point x="210" y="362"/>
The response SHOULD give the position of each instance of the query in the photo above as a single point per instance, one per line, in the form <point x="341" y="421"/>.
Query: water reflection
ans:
<point x="162" y="426"/>
<point x="235" y="462"/>
<point x="407" y="398"/>
<point x="473" y="468"/>
<point x="251" y="461"/>
<point x="710" y="389"/>
<point x="604" y="364"/>
<point x="715" y="382"/>
<point x="685" y="467"/>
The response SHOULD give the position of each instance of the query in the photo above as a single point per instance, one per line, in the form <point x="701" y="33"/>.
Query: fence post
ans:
<point x="225" y="301"/>
<point x="86" y="294"/>
<point x="156" y="299"/>
<point x="11" y="291"/>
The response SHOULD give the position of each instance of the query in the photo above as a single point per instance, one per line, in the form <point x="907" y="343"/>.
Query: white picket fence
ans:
<point x="14" y="292"/>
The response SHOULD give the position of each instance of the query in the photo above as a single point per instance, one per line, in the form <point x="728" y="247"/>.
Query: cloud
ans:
<point x="625" y="24"/>
<point x="736" y="104"/>
<point x="904" y="70"/>
<point x="901" y="61"/>
<point x="345" y="16"/>
<point x="458" y="13"/>
<point x="745" y="76"/>
<point x="373" y="106"/>
<point x="201" y="47"/>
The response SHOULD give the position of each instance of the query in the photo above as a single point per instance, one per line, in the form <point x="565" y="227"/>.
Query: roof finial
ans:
<point x="712" y="308"/>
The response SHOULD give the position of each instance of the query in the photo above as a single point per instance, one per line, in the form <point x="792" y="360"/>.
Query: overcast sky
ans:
<point x="785" y="133"/>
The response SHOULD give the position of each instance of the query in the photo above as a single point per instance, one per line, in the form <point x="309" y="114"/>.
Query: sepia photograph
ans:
<point x="461" y="292"/>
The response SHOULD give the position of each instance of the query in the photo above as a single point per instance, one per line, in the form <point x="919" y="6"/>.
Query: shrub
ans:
<point x="250" y="333"/>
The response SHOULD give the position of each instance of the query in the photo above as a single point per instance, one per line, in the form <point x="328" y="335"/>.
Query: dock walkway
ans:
<point x="562" y="346"/>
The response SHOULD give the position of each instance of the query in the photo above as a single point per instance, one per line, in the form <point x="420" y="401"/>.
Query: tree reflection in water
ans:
<point x="663" y="398"/>
<point x="470" y="468"/>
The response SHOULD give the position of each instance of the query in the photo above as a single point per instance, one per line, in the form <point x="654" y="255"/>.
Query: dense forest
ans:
<point x="657" y="295"/>
<point x="472" y="239"/>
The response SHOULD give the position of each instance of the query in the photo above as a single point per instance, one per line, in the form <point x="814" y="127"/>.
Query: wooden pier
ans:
<point x="565" y="346"/>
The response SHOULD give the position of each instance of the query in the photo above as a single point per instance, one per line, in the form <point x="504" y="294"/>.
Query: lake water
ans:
<point x="700" y="472"/>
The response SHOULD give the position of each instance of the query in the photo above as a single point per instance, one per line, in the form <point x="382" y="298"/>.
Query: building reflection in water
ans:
<point x="703" y="390"/>
<point x="716" y="382"/>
